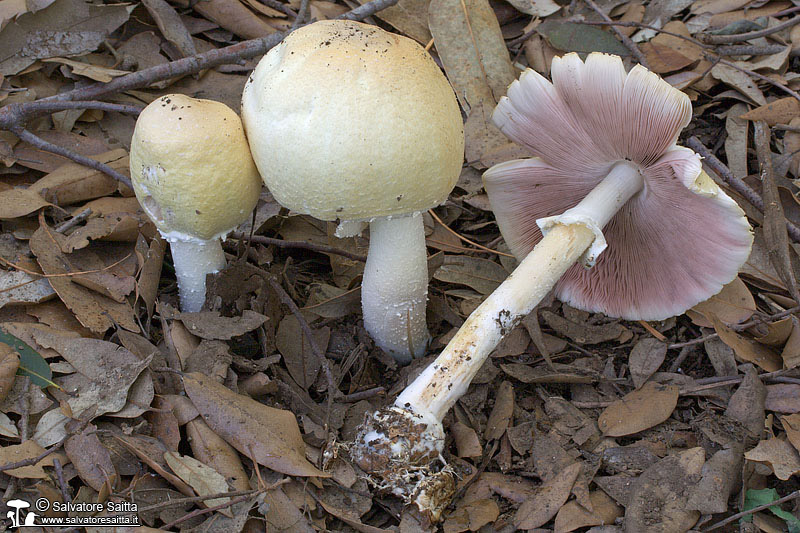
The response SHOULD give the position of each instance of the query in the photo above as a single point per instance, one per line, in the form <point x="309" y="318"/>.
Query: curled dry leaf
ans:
<point x="501" y="414"/>
<point x="72" y="183"/>
<point x="639" y="410"/>
<point x="269" y="436"/>
<point x="539" y="509"/>
<point x="720" y="479"/>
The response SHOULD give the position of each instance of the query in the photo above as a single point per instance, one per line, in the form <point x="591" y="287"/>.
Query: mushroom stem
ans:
<point x="568" y="237"/>
<point x="193" y="259"/>
<point x="395" y="286"/>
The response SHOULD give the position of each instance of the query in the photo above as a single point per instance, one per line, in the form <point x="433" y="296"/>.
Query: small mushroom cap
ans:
<point x="673" y="244"/>
<point x="347" y="121"/>
<point x="191" y="167"/>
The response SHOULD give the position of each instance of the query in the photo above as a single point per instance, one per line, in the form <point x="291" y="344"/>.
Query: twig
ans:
<point x="34" y="460"/>
<point x="627" y="41"/>
<point x="462" y="238"/>
<point x="750" y="50"/>
<point x="738" y="327"/>
<point x="302" y="13"/>
<point x="315" y="349"/>
<point x="41" y="144"/>
<point x="738" y="37"/>
<point x="74" y="221"/>
<point x="737" y="516"/>
<point x="363" y="395"/>
<point x="60" y="478"/>
<point x="735" y="183"/>
<point x="201" y="512"/>
<point x="20" y="113"/>
<point x="193" y="499"/>
<point x="260" y="239"/>
<point x="280" y="6"/>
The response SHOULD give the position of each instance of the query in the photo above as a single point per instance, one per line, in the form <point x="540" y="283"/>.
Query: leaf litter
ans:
<point x="579" y="422"/>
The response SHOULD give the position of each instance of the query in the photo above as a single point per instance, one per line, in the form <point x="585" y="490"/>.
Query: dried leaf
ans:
<point x="747" y="349"/>
<point x="739" y="81"/>
<point x="646" y="357"/>
<point x="580" y="331"/>
<point x="234" y="17"/>
<point x="732" y="305"/>
<point x="293" y="344"/>
<point x="210" y="325"/>
<point x="780" y="111"/>
<point x="171" y="26"/>
<point x="409" y="17"/>
<point x="31" y="362"/>
<point x="71" y="183"/>
<point x="472" y="49"/>
<point x="7" y="427"/>
<point x="539" y="509"/>
<point x="27" y="450"/>
<point x="779" y="455"/>
<point x="93" y="310"/>
<point x="501" y="414"/>
<point x="466" y="439"/>
<point x="736" y="143"/>
<point x="471" y="516"/>
<point x="17" y="287"/>
<point x="575" y="37"/>
<point x="639" y="410"/>
<point x="573" y="516"/>
<point x="66" y="28"/>
<point x="212" y="450"/>
<point x="106" y="371"/>
<point x="20" y="202"/>
<point x="270" y="436"/>
<point x="482" y="275"/>
<point x="536" y="8"/>
<point x="91" y="459"/>
<point x="94" y="72"/>
<point x="9" y="363"/>
<point x="658" y="497"/>
<point x="202" y="478"/>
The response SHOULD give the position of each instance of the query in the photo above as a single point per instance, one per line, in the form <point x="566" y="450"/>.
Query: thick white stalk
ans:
<point x="395" y="287"/>
<point x="193" y="259"/>
<point x="568" y="237"/>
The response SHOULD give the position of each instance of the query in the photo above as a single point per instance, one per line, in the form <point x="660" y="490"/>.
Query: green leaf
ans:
<point x="31" y="362"/>
<point x="573" y="37"/>
<point x="756" y="498"/>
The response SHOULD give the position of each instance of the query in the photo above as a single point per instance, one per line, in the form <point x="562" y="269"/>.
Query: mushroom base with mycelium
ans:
<point x="606" y="175"/>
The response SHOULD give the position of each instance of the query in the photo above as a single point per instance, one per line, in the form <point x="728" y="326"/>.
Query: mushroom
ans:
<point x="348" y="122"/>
<point x="606" y="175"/>
<point x="194" y="177"/>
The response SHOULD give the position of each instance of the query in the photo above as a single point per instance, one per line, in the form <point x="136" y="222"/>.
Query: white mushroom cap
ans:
<point x="191" y="167"/>
<point x="347" y="121"/>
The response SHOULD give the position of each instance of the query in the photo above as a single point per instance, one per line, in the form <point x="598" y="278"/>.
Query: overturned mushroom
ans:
<point x="193" y="175"/>
<point x="607" y="176"/>
<point x="348" y="122"/>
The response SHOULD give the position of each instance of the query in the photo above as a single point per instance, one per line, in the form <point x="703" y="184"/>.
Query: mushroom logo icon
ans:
<point x="18" y="505"/>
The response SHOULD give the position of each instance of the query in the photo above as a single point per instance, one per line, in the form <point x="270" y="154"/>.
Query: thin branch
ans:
<point x="201" y="512"/>
<point x="735" y="183"/>
<point x="280" y="6"/>
<point x="750" y="50"/>
<point x="321" y="248"/>
<point x="738" y="37"/>
<point x="627" y="41"/>
<point x="41" y="144"/>
<point x="20" y="113"/>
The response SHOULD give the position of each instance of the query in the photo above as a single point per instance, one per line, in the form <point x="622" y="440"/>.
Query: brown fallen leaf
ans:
<point x="501" y="414"/>
<point x="639" y="410"/>
<point x="780" y="111"/>
<point x="747" y="349"/>
<point x="466" y="439"/>
<point x="739" y="81"/>
<point x="234" y="17"/>
<point x="539" y="509"/>
<point x="658" y="496"/>
<point x="91" y="459"/>
<point x="783" y="398"/>
<point x="409" y="17"/>
<point x="732" y="305"/>
<point x="201" y="477"/>
<point x="211" y="325"/>
<point x="581" y="332"/>
<point x="720" y="479"/>
<point x="212" y="450"/>
<point x="9" y="363"/>
<point x="171" y="26"/>
<point x="25" y="451"/>
<point x="471" y="516"/>
<point x="646" y="357"/>
<point x="293" y="345"/>
<point x="72" y="183"/>
<point x="269" y="436"/>
<point x="778" y="454"/>
<point x="573" y="516"/>
<point x="17" y="287"/>
<point x="94" y="311"/>
<point x="480" y="274"/>
<point x="20" y="202"/>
